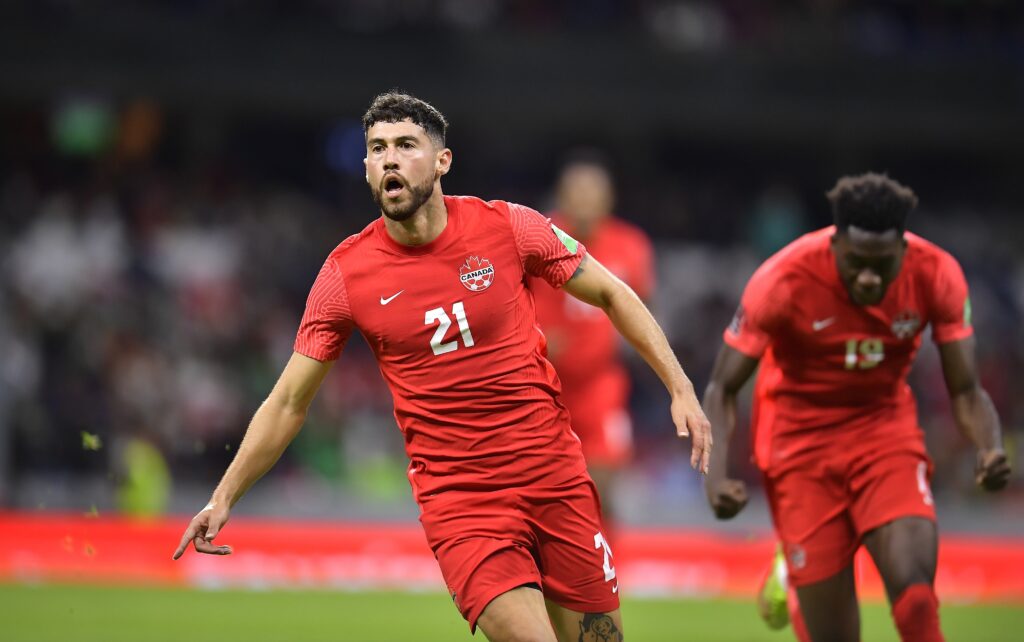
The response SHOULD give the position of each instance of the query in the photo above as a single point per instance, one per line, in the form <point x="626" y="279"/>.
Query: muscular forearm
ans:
<point x="634" y="322"/>
<point x="272" y="428"/>
<point x="720" y="408"/>
<point x="976" y="417"/>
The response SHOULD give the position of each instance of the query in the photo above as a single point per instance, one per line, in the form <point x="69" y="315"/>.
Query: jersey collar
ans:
<point x="443" y="239"/>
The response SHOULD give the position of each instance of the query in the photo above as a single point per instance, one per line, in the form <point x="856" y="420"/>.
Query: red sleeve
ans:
<point x="951" y="303"/>
<point x="758" y="314"/>
<point x="546" y="251"/>
<point x="327" y="321"/>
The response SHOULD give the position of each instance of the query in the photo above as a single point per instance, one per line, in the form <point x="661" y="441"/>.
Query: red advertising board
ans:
<point x="43" y="547"/>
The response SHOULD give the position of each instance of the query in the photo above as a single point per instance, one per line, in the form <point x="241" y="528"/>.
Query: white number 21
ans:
<point x="439" y="316"/>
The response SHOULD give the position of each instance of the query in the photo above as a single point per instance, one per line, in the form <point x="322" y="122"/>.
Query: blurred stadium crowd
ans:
<point x="150" y="288"/>
<point x="874" y="25"/>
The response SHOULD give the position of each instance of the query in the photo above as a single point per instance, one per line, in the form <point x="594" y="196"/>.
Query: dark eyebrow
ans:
<point x="400" y="139"/>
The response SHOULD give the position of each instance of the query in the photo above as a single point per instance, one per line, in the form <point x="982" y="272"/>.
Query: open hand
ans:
<point x="202" y="529"/>
<point x="691" y="422"/>
<point x="993" y="469"/>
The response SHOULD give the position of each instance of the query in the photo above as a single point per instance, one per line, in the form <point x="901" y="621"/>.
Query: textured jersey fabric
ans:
<point x="833" y="373"/>
<point x="453" y="327"/>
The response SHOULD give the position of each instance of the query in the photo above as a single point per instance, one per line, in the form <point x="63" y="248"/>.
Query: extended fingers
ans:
<point x="190" y="532"/>
<point x="706" y="456"/>
<point x="700" y="454"/>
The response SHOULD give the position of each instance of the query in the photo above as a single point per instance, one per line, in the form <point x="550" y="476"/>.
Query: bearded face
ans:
<point x="399" y="200"/>
<point x="402" y="166"/>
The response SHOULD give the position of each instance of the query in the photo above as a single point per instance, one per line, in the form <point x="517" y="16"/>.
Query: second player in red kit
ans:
<point x="583" y="344"/>
<point x="835" y="320"/>
<point x="438" y="286"/>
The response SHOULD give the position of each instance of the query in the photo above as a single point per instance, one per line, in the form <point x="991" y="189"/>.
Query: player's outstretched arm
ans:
<point x="732" y="369"/>
<point x="272" y="428"/>
<point x="594" y="284"/>
<point x="974" y="413"/>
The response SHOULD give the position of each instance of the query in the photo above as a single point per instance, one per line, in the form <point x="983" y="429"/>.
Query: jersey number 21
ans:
<point x="440" y="317"/>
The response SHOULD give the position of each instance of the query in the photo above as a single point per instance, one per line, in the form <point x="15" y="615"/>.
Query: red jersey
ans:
<point x="833" y="373"/>
<point x="452" y="325"/>
<point x="582" y="342"/>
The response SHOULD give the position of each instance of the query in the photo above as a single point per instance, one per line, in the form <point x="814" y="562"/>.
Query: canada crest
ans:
<point x="906" y="324"/>
<point x="476" y="274"/>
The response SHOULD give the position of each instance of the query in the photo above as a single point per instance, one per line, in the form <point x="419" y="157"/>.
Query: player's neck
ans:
<point x="425" y="225"/>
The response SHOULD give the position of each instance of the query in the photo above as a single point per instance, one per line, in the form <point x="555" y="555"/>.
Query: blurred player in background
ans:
<point x="835" y="320"/>
<point x="582" y="342"/>
<point x="438" y="287"/>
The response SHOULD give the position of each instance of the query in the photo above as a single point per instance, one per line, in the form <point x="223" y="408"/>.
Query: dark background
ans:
<point x="172" y="175"/>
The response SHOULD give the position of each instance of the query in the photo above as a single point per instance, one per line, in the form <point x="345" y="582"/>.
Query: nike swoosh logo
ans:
<point x="615" y="589"/>
<point x="391" y="298"/>
<point x="824" y="323"/>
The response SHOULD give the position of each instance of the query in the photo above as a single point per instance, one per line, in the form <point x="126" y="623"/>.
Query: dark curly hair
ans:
<point x="872" y="202"/>
<point x="394" y="106"/>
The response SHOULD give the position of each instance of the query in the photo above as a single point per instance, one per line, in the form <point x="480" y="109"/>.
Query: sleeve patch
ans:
<point x="569" y="242"/>
<point x="737" y="321"/>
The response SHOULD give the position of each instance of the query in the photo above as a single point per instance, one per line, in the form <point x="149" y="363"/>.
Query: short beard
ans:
<point x="418" y="195"/>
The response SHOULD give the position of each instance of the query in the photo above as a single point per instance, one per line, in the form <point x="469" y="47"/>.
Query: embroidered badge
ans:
<point x="906" y="324"/>
<point x="476" y="274"/>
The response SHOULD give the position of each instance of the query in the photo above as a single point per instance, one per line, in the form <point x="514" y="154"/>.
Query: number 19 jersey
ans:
<point x="453" y="327"/>
<point x="833" y="373"/>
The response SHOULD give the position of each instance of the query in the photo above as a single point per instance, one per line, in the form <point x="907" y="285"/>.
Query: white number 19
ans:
<point x="439" y="316"/>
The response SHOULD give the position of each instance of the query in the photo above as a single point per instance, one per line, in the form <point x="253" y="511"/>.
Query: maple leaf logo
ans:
<point x="476" y="274"/>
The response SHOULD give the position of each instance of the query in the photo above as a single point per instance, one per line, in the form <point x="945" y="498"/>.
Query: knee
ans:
<point x="916" y="600"/>
<point x="917" y="576"/>
<point x="916" y="612"/>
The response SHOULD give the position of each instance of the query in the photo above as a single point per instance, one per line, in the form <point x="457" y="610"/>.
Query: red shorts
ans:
<point x="600" y="419"/>
<point x="490" y="543"/>
<point x="822" y="510"/>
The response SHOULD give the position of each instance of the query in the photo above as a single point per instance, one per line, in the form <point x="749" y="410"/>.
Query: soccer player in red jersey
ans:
<point x="582" y="342"/>
<point x="834" y="320"/>
<point x="438" y="287"/>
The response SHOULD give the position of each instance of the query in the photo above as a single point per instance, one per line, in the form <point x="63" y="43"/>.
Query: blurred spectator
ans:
<point x="155" y="254"/>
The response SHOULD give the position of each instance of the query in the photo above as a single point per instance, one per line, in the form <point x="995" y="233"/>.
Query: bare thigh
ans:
<point x="518" y="615"/>
<point x="829" y="608"/>
<point x="574" y="626"/>
<point x="906" y="553"/>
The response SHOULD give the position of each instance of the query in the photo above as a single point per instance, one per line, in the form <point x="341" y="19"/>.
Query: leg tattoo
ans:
<point x="598" y="627"/>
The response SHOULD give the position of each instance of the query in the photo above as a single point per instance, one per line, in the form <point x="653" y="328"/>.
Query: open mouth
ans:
<point x="393" y="186"/>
